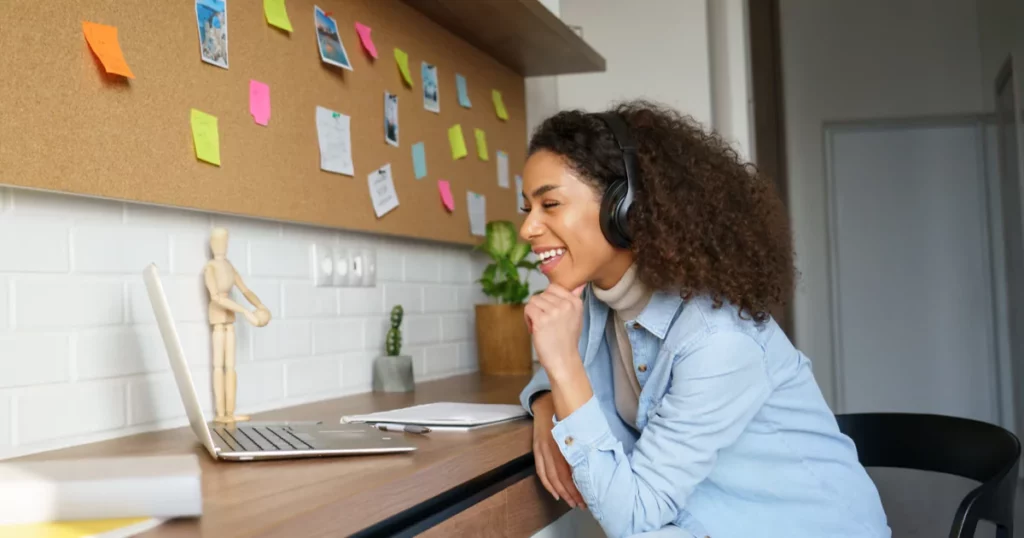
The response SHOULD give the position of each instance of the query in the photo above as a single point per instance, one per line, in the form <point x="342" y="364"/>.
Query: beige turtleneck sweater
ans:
<point x="626" y="299"/>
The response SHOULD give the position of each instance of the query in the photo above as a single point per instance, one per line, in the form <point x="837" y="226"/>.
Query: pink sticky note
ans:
<point x="364" y="37"/>
<point x="259" y="102"/>
<point x="446" y="194"/>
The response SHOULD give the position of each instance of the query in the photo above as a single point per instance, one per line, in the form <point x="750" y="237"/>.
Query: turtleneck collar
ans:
<point x="627" y="297"/>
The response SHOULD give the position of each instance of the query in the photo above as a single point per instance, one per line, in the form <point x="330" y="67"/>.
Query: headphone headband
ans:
<point x="615" y="206"/>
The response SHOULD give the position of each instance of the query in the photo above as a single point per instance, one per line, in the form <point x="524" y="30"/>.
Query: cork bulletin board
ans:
<point x="69" y="126"/>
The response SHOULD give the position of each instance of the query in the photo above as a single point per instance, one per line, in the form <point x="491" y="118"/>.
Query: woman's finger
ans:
<point x="565" y="477"/>
<point x="538" y="457"/>
<point x="557" y="482"/>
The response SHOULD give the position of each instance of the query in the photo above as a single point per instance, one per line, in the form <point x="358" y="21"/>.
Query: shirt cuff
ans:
<point x="579" y="432"/>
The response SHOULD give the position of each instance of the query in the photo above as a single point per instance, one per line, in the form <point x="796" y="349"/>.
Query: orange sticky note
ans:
<point x="445" y="189"/>
<point x="102" y="40"/>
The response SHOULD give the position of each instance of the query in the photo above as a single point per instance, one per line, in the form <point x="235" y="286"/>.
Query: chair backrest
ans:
<point x="969" y="448"/>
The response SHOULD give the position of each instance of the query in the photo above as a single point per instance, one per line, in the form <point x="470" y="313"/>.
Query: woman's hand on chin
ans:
<point x="555" y="317"/>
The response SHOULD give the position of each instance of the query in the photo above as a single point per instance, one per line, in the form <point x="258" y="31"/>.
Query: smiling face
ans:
<point x="563" y="225"/>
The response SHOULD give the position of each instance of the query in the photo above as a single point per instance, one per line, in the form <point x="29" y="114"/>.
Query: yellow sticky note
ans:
<point x="457" y="142"/>
<point x="481" y="145"/>
<point x="205" y="137"/>
<point x="103" y="41"/>
<point x="403" y="65"/>
<point x="277" y="14"/>
<point x="499" y="104"/>
<point x="73" y="529"/>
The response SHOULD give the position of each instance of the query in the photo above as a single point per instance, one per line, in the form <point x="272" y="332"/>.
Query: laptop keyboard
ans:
<point x="260" y="438"/>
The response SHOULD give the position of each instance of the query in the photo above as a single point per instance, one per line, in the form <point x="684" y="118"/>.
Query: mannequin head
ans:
<point x="219" y="243"/>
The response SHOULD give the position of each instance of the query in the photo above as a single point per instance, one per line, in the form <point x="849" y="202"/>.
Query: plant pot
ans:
<point x="502" y="340"/>
<point x="393" y="374"/>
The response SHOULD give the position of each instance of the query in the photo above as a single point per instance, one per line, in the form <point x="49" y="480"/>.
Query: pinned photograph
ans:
<point x="329" y="40"/>
<point x="431" y="101"/>
<point x="212" y="19"/>
<point x="391" y="118"/>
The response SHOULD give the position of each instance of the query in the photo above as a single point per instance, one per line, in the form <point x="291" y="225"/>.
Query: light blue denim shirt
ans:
<point x="733" y="438"/>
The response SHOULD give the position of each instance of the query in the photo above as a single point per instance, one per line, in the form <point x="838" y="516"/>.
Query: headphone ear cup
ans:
<point x="612" y="215"/>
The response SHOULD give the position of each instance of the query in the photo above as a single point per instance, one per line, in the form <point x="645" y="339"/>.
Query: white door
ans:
<point x="912" y="301"/>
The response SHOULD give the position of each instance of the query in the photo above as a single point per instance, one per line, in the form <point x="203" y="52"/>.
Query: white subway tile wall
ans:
<point x="81" y="358"/>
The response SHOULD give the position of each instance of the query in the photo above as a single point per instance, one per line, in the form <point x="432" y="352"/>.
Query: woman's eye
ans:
<point x="524" y="209"/>
<point x="549" y="205"/>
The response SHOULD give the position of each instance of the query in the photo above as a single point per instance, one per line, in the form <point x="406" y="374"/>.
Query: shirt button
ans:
<point x="636" y="324"/>
<point x="642" y="367"/>
<point x="568" y="441"/>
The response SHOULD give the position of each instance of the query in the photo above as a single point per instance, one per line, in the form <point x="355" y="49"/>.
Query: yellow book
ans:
<point x="100" y="528"/>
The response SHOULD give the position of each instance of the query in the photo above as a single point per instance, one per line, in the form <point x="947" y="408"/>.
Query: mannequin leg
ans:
<point x="229" y="369"/>
<point x="218" y="371"/>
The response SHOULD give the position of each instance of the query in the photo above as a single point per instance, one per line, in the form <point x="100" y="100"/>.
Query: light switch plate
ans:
<point x="342" y="266"/>
<point x="356" y="268"/>
<point x="369" y="267"/>
<point x="323" y="265"/>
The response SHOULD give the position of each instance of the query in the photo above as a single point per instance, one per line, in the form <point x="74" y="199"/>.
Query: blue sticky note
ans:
<point x="460" y="83"/>
<point x="419" y="160"/>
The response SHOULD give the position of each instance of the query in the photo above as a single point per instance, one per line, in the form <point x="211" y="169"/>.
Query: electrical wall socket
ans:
<point x="342" y="267"/>
<point x="356" y="268"/>
<point x="369" y="267"/>
<point x="323" y="265"/>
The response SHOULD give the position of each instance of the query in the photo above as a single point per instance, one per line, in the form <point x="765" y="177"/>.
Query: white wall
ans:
<point x="860" y="60"/>
<point x="731" y="99"/>
<point x="80" y="355"/>
<point x="657" y="49"/>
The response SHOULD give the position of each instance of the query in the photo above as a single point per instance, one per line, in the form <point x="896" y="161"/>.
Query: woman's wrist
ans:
<point x="570" y="388"/>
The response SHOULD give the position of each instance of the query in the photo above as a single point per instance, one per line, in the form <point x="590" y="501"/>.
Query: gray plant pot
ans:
<point x="393" y="374"/>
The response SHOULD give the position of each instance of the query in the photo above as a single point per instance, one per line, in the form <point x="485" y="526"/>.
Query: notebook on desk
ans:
<point x="444" y="416"/>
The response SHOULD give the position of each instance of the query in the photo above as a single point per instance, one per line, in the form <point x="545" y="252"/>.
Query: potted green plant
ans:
<point x="393" y="372"/>
<point x="502" y="338"/>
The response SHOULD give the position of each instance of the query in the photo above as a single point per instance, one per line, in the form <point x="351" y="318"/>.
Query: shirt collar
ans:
<point x="656" y="317"/>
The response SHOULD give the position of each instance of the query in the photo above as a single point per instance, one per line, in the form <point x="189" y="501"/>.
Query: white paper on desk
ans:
<point x="477" y="204"/>
<point x="444" y="415"/>
<point x="333" y="130"/>
<point x="382" y="190"/>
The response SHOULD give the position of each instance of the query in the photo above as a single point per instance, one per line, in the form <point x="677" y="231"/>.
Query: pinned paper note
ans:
<point x="366" y="39"/>
<point x="382" y="190"/>
<point x="403" y="65"/>
<point x="391" y="118"/>
<point x="212" y="20"/>
<point x="503" y="169"/>
<point x="259" y="102"/>
<point x="103" y="41"/>
<point x="431" y="97"/>
<point x="460" y="85"/>
<point x="520" y="201"/>
<point x="499" y="105"/>
<point x="447" y="199"/>
<point x="277" y="14"/>
<point x="419" y="160"/>
<point x="457" y="142"/>
<point x="477" y="206"/>
<point x="333" y="131"/>
<point x="205" y="137"/>
<point x="481" y="145"/>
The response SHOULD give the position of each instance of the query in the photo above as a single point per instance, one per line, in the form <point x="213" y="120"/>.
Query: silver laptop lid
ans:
<point x="179" y="365"/>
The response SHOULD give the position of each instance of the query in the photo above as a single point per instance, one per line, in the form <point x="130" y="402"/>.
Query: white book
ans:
<point x="444" y="415"/>
<point x="100" y="488"/>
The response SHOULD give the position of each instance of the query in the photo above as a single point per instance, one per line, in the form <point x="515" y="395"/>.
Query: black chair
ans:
<point x="968" y="448"/>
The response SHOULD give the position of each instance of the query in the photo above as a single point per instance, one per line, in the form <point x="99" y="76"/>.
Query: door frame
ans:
<point x="829" y="130"/>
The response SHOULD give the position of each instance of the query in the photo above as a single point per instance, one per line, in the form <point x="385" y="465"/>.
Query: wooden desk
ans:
<point x="479" y="483"/>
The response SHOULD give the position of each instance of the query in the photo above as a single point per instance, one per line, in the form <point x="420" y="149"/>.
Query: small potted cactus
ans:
<point x="393" y="371"/>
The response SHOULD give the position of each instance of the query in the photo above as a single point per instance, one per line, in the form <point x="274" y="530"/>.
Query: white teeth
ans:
<point x="548" y="254"/>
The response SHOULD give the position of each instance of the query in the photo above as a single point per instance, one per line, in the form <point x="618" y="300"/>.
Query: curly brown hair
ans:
<point x="703" y="222"/>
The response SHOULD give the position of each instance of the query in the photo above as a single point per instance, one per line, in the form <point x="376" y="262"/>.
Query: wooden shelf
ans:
<point x="521" y="34"/>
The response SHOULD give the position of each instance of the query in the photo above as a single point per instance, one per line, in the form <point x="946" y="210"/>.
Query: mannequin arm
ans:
<point x="220" y="299"/>
<point x="249" y="295"/>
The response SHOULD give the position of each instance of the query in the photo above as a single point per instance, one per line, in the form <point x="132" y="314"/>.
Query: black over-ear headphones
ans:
<point x="619" y="195"/>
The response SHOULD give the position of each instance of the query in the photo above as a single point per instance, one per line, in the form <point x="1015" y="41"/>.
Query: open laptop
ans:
<point x="260" y="440"/>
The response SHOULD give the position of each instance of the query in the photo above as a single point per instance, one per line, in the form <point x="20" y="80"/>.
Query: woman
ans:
<point x="669" y="401"/>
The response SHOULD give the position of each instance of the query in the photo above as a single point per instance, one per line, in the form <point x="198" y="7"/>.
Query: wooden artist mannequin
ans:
<point x="221" y="277"/>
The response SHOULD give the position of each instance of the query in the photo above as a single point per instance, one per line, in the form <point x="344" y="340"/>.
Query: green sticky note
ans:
<point x="403" y="65"/>
<point x="205" y="137"/>
<point x="499" y="104"/>
<point x="277" y="14"/>
<point x="457" y="142"/>
<point x="481" y="145"/>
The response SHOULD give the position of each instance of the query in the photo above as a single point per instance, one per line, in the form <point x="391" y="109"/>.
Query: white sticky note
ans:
<point x="520" y="201"/>
<point x="382" y="190"/>
<point x="333" y="130"/>
<point x="477" y="204"/>
<point x="503" y="169"/>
